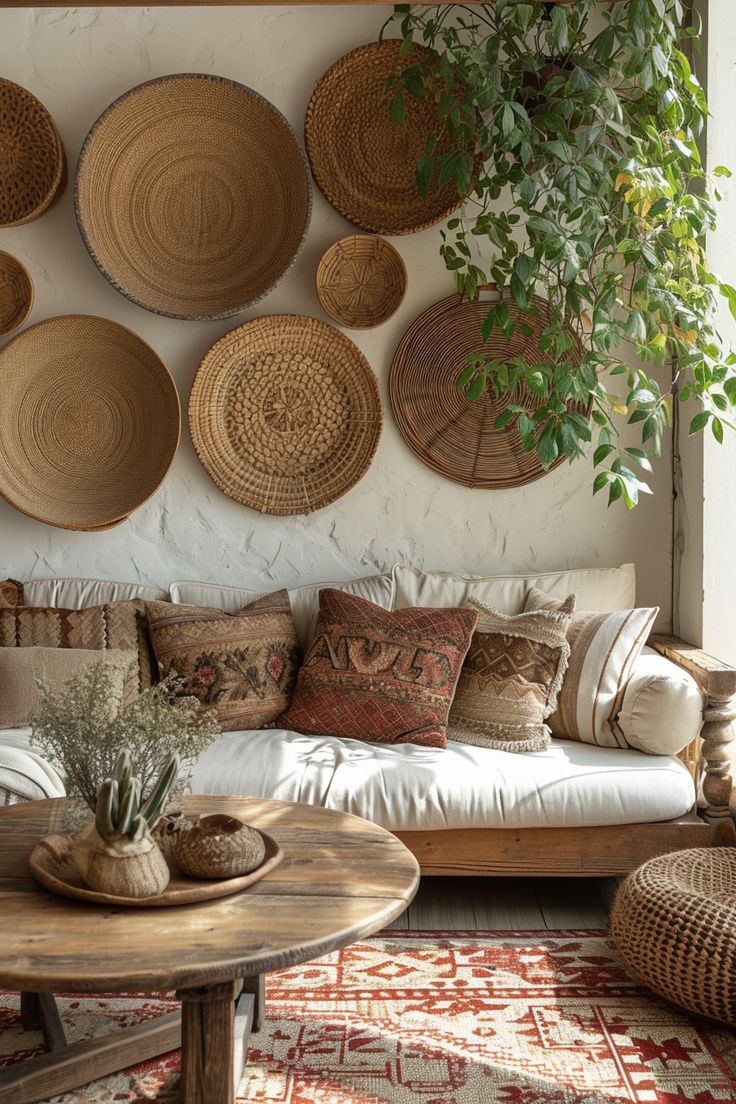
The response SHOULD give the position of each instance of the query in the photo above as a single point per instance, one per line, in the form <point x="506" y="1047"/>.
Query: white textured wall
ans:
<point x="76" y="62"/>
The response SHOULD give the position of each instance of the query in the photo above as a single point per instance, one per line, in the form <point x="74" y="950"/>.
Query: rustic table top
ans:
<point x="341" y="879"/>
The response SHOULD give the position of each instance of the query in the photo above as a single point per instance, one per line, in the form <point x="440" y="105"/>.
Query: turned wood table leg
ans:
<point x="215" y="1026"/>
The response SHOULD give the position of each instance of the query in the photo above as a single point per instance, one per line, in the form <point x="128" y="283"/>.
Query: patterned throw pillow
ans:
<point x="119" y="625"/>
<point x="375" y="675"/>
<point x="244" y="664"/>
<point x="511" y="677"/>
<point x="11" y="593"/>
<point x="603" y="649"/>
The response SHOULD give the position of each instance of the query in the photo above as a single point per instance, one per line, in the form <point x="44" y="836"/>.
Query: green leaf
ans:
<point x="603" y="479"/>
<point x="699" y="422"/>
<point x="504" y="418"/>
<point x="601" y="453"/>
<point x="425" y="169"/>
<point x="397" y="112"/>
<point x="476" y="387"/>
<point x="717" y="426"/>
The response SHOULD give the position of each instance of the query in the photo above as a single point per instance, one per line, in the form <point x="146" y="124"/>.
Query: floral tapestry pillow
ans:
<point x="11" y="593"/>
<point x="382" y="676"/>
<point x="511" y="678"/>
<point x="243" y="664"/>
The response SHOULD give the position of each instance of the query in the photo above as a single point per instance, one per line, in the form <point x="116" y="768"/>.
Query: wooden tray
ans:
<point x="51" y="864"/>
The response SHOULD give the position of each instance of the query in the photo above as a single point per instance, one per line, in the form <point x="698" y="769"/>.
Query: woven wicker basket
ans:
<point x="363" y="163"/>
<point x="16" y="294"/>
<point x="32" y="160"/>
<point x="192" y="196"/>
<point x="285" y="414"/>
<point x="89" y="422"/>
<point x="361" y="281"/>
<point x="449" y="433"/>
<point x="674" y="925"/>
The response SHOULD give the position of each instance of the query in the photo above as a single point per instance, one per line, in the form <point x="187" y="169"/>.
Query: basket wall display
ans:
<point x="16" y="294"/>
<point x="361" y="281"/>
<point x="285" y="414"/>
<point x="89" y="422"/>
<point x="32" y="160"/>
<point x="364" y="164"/>
<point x="445" y="430"/>
<point x="192" y="196"/>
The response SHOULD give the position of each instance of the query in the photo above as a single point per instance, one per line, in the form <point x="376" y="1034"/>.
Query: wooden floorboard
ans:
<point x="508" y="904"/>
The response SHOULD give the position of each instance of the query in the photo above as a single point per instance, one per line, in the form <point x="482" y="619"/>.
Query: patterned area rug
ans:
<point x="440" y="1018"/>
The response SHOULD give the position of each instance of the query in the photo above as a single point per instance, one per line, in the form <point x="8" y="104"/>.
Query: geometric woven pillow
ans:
<point x="603" y="650"/>
<point x="11" y="593"/>
<point x="511" y="677"/>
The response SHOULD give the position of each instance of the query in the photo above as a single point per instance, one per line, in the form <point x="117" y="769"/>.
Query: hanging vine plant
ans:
<point x="573" y="134"/>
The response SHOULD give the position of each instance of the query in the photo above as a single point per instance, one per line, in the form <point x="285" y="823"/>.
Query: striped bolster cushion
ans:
<point x="603" y="649"/>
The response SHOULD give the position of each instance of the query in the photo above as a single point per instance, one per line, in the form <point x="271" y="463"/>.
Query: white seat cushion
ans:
<point x="405" y="787"/>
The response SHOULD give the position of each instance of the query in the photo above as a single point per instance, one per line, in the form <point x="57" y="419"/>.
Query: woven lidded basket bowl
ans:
<point x="32" y="161"/>
<point x="674" y="925"/>
<point x="365" y="164"/>
<point x="89" y="422"/>
<point x="443" y="428"/>
<point x="192" y="195"/>
<point x="285" y="414"/>
<point x="361" y="281"/>
<point x="16" y="294"/>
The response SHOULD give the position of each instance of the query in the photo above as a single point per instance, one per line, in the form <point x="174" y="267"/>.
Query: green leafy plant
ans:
<point x="82" y="728"/>
<point x="120" y="811"/>
<point x="572" y="133"/>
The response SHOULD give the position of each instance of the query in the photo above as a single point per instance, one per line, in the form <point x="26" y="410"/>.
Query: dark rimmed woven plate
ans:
<point x="192" y="195"/>
<point x="32" y="160"/>
<point x="285" y="414"/>
<point x="443" y="428"/>
<point x="363" y="163"/>
<point x="89" y="422"/>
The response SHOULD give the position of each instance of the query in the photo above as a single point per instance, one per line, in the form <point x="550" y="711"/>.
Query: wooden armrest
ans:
<point x="714" y="677"/>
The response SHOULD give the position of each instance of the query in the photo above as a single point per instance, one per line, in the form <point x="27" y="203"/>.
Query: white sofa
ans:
<point x="467" y="809"/>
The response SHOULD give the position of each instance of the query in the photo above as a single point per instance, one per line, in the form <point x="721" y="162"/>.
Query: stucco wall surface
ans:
<point x="77" y="62"/>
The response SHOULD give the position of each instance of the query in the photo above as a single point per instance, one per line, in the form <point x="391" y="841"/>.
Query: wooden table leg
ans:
<point x="215" y="1024"/>
<point x="38" y="1012"/>
<point x="257" y="986"/>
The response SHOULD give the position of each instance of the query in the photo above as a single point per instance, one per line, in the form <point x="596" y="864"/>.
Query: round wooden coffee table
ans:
<point x="342" y="878"/>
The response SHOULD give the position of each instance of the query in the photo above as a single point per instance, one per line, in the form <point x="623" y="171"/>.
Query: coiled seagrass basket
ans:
<point x="674" y="925"/>
<point x="16" y="294"/>
<point x="361" y="281"/>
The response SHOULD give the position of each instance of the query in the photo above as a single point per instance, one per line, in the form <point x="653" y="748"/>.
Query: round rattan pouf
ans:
<point x="16" y="294"/>
<point x="32" y="161"/>
<point x="361" y="281"/>
<point x="674" y="925"/>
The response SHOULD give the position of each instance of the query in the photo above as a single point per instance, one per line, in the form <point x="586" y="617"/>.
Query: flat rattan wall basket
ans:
<point x="449" y="433"/>
<point x="89" y="422"/>
<point x="192" y="195"/>
<point x="363" y="163"/>
<point x="285" y="414"/>
<point x="361" y="281"/>
<point x="16" y="294"/>
<point x="32" y="161"/>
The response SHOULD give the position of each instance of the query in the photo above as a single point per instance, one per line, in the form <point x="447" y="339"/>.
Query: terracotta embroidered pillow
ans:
<point x="511" y="677"/>
<point x="387" y="677"/>
<point x="11" y="593"/>
<point x="244" y="664"/>
<point x="117" y="625"/>
<point x="603" y="649"/>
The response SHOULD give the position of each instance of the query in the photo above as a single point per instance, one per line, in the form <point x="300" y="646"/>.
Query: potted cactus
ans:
<point x="117" y="854"/>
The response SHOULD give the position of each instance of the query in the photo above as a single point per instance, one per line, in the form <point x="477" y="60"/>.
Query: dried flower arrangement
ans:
<point x="83" y="728"/>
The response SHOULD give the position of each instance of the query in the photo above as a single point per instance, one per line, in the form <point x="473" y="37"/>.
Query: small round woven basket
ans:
<point x="445" y="430"/>
<point x="192" y="196"/>
<point x="361" y="281"/>
<point x="285" y="414"/>
<point x="32" y="160"/>
<point x="674" y="925"/>
<point x="16" y="294"/>
<point x="366" y="165"/>
<point x="89" y="422"/>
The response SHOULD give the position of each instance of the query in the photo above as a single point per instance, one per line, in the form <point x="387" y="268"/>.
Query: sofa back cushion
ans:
<point x="304" y="599"/>
<point x="375" y="675"/>
<point x="601" y="589"/>
<point x="243" y="665"/>
<point x="81" y="593"/>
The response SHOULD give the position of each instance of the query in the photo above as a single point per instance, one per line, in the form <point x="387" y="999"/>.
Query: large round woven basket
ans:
<point x="361" y="281"/>
<point x="16" y="294"/>
<point x="89" y="422"/>
<point x="365" y="164"/>
<point x="32" y="161"/>
<point x="674" y="925"/>
<point x="285" y="414"/>
<point x="192" y="196"/>
<point x="449" y="433"/>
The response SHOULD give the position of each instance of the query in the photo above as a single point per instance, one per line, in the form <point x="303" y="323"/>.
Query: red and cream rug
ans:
<point x="439" y="1018"/>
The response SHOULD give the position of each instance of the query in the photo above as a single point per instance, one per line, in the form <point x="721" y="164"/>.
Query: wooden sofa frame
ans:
<point x="615" y="849"/>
